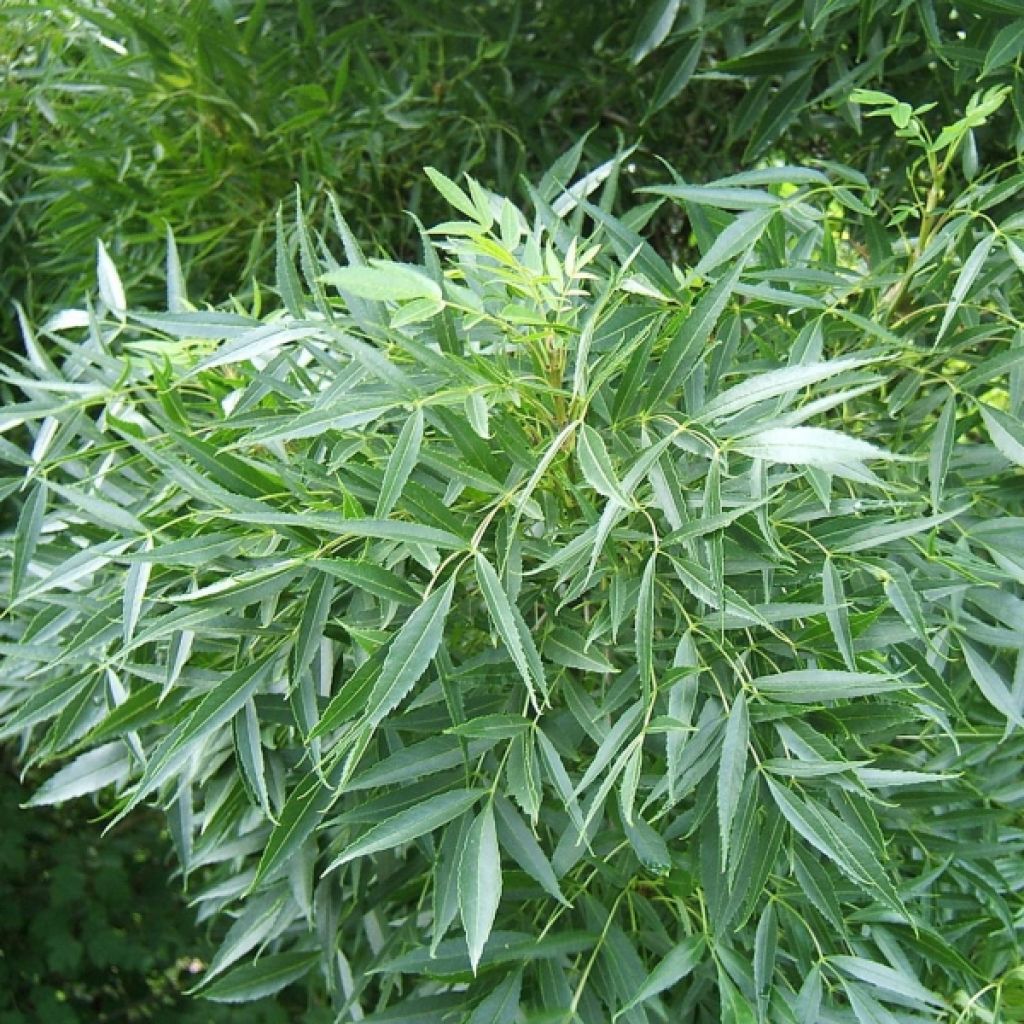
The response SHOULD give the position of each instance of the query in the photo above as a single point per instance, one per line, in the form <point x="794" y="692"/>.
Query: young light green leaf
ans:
<point x="383" y="280"/>
<point x="136" y="581"/>
<point x="480" y="882"/>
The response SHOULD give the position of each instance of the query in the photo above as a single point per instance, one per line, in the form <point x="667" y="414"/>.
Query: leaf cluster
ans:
<point x="543" y="631"/>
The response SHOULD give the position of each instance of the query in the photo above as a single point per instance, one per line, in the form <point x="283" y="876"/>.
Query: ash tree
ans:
<point x="546" y="632"/>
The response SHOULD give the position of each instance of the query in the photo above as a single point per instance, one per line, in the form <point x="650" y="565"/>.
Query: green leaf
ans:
<point x="965" y="280"/>
<point x="991" y="684"/>
<point x="654" y="27"/>
<point x="828" y="834"/>
<point x="89" y="772"/>
<point x="1006" y="47"/>
<point x="514" y="635"/>
<point x="368" y="576"/>
<point x="678" y="963"/>
<point x="765" y="386"/>
<point x="215" y="710"/>
<point x="315" y="610"/>
<point x="732" y="767"/>
<point x="502" y="1004"/>
<point x="519" y="843"/>
<point x="268" y="975"/>
<point x="1007" y="433"/>
<point x="566" y="647"/>
<point x="814" y="686"/>
<point x="883" y="978"/>
<point x="408" y="825"/>
<point x="597" y="466"/>
<point x="26" y="537"/>
<point x="480" y="882"/>
<point x="685" y="350"/>
<point x="383" y="280"/>
<point x="410" y="653"/>
<point x="836" y="613"/>
<point x="940" y="450"/>
<point x="808" y="446"/>
<point x="739" y="237"/>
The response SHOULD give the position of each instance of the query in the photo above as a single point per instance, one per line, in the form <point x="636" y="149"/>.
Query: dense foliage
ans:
<point x="607" y="604"/>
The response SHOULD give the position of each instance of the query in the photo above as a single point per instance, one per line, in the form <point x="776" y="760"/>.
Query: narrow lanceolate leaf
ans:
<point x="835" y="611"/>
<point x="519" y="843"/>
<point x="26" y="537"/>
<point x="812" y="686"/>
<point x="732" y="767"/>
<point x="480" y="882"/>
<point x="409" y="824"/>
<point x="966" y="278"/>
<point x="831" y="836"/>
<point x="765" y="949"/>
<point x="991" y="683"/>
<point x="654" y="27"/>
<point x="263" y="978"/>
<point x="881" y="534"/>
<point x="677" y="963"/>
<point x="136" y="581"/>
<point x="303" y="811"/>
<point x="597" y="467"/>
<point x="738" y="237"/>
<point x="315" y="611"/>
<point x="215" y="710"/>
<point x="518" y="642"/>
<point x="401" y="464"/>
<point x="501" y="1005"/>
<point x="645" y="626"/>
<point x="940" y="451"/>
<point x="883" y="978"/>
<point x="808" y="446"/>
<point x="410" y="653"/>
<point x="1006" y="431"/>
<point x="772" y="384"/>
<point x="88" y="773"/>
<point x="111" y="289"/>
<point x="686" y="350"/>
<point x="249" y="751"/>
<point x="383" y="281"/>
